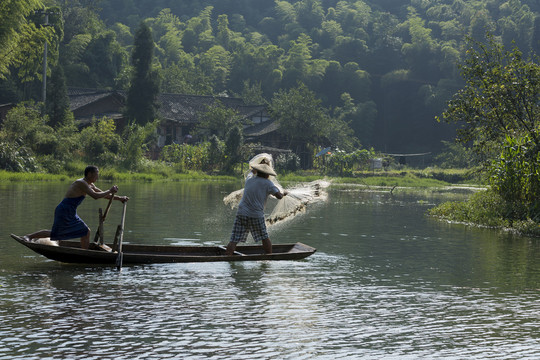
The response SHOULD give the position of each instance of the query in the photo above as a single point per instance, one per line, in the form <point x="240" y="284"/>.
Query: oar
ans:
<point x="120" y="256"/>
<point x="108" y="207"/>
<point x="99" y="233"/>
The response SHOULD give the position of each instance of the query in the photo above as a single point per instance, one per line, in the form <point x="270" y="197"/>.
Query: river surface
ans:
<point x="386" y="282"/>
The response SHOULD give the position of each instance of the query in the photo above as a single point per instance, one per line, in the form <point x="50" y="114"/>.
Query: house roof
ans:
<point x="251" y="110"/>
<point x="174" y="107"/>
<point x="187" y="108"/>
<point x="86" y="120"/>
<point x="272" y="150"/>
<point x="261" y="128"/>
<point x="79" y="98"/>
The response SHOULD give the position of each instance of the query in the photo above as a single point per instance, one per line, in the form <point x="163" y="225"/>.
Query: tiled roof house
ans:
<point x="180" y="113"/>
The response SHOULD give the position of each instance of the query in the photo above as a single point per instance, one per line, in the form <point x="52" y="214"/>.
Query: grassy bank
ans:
<point x="405" y="178"/>
<point x="20" y="176"/>
<point x="112" y="175"/>
<point x="397" y="178"/>
<point x="487" y="209"/>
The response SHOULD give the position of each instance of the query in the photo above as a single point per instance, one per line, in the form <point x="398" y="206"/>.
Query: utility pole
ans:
<point x="44" y="86"/>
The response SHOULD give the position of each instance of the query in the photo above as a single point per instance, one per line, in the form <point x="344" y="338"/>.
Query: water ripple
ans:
<point x="377" y="288"/>
<point x="294" y="310"/>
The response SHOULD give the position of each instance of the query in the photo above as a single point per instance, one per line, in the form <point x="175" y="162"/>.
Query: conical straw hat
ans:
<point x="263" y="163"/>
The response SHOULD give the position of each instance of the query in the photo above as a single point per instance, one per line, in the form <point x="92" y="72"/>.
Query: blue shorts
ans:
<point x="67" y="224"/>
<point x="243" y="225"/>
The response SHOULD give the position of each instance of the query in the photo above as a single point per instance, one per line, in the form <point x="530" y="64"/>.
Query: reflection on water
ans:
<point x="385" y="282"/>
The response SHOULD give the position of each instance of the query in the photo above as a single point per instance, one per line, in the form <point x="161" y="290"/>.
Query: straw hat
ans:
<point x="263" y="165"/>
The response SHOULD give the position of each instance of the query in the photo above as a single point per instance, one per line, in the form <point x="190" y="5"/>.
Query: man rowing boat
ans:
<point x="67" y="224"/>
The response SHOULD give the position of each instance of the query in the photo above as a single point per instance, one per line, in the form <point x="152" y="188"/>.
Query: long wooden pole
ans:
<point x="108" y="207"/>
<point x="100" y="231"/>
<point x="120" y="257"/>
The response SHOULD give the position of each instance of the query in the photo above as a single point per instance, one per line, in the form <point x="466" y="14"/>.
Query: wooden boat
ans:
<point x="70" y="252"/>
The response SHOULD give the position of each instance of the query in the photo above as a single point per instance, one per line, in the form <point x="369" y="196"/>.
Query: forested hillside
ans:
<point x="387" y="67"/>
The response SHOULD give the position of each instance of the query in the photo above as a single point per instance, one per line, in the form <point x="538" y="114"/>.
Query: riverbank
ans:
<point x="412" y="178"/>
<point x="485" y="209"/>
<point x="112" y="175"/>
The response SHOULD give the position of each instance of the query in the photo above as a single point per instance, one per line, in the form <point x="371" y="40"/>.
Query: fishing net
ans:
<point x="45" y="241"/>
<point x="297" y="200"/>
<point x="294" y="203"/>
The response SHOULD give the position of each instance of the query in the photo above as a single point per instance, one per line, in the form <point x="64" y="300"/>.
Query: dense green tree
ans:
<point x="233" y="147"/>
<point x="421" y="52"/>
<point x="260" y="65"/>
<point x="25" y="126"/>
<point x="327" y="87"/>
<point x="185" y="77"/>
<point x="137" y="142"/>
<point x="309" y="13"/>
<point x="167" y="32"/>
<point x="104" y="59"/>
<point x="100" y="142"/>
<point x="501" y="97"/>
<point x="329" y="33"/>
<point x="17" y="33"/>
<point x="297" y="61"/>
<point x="216" y="65"/>
<point x="86" y="46"/>
<point x="123" y="34"/>
<point x="216" y="153"/>
<point x="141" y="106"/>
<point x="307" y="125"/>
<point x="516" y="25"/>
<point x="223" y="34"/>
<point x="395" y="59"/>
<point x="217" y="119"/>
<point x="57" y="107"/>
<point x="302" y="120"/>
<point x="198" y="36"/>
<point x="385" y="44"/>
<point x="499" y="109"/>
<point x="252" y="94"/>
<point x="17" y="158"/>
<point x="356" y="81"/>
<point x="455" y="156"/>
<point x="359" y="117"/>
<point x="23" y="35"/>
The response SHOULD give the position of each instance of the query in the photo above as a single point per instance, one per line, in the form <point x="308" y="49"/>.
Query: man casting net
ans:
<point x="296" y="201"/>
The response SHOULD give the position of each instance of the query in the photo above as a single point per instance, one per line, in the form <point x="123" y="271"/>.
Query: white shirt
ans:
<point x="256" y="193"/>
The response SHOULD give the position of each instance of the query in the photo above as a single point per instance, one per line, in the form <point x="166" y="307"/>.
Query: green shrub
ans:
<point x="51" y="165"/>
<point x="515" y="175"/>
<point x="187" y="157"/>
<point x="138" y="139"/>
<point x="75" y="167"/>
<point x="14" y="157"/>
<point x="287" y="162"/>
<point x="455" y="155"/>
<point x="485" y="208"/>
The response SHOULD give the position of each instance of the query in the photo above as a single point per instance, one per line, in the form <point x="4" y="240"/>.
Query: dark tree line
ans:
<point x="384" y="67"/>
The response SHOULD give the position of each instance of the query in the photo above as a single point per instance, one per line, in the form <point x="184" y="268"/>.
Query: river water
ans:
<point x="386" y="282"/>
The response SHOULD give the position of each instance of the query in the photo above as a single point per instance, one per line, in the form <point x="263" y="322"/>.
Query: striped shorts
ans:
<point x="243" y="225"/>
